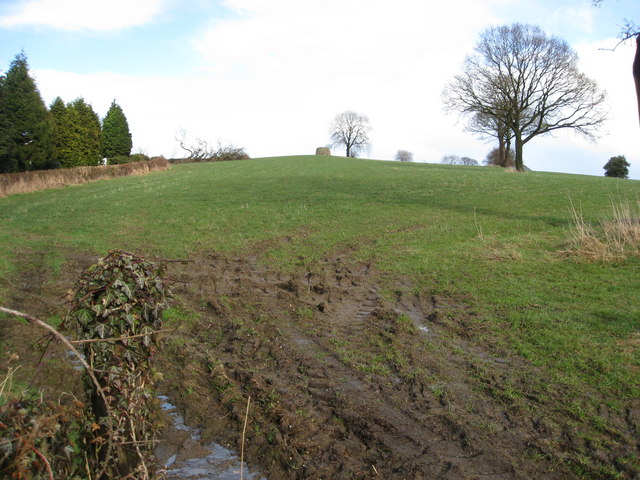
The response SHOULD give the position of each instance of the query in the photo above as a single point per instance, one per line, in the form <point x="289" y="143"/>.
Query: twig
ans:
<point x="44" y="459"/>
<point x="157" y="259"/>
<point x="628" y="36"/>
<point x="135" y="444"/>
<point x="115" y="339"/>
<point x="7" y="380"/>
<point x="244" y="430"/>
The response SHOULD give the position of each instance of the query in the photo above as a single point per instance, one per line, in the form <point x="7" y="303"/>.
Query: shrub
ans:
<point x="493" y="159"/>
<point x="120" y="159"/>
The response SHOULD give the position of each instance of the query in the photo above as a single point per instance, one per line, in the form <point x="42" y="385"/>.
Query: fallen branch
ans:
<point x="115" y="339"/>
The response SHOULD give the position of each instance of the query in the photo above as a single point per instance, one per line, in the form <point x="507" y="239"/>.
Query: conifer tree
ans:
<point x="116" y="138"/>
<point x="62" y="131"/>
<point x="7" y="159"/>
<point x="77" y="133"/>
<point x="26" y="130"/>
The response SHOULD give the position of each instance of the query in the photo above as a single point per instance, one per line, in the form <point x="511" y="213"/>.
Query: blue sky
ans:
<point x="269" y="75"/>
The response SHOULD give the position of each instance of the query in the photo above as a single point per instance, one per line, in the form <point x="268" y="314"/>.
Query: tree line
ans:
<point x="34" y="137"/>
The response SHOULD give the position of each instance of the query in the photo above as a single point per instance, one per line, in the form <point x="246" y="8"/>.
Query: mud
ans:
<point x="355" y="375"/>
<point x="350" y="374"/>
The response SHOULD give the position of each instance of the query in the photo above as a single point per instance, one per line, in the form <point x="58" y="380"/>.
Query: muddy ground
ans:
<point x="351" y="374"/>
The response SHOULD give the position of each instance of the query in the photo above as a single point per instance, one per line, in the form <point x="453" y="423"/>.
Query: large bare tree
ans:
<point x="528" y="82"/>
<point x="351" y="130"/>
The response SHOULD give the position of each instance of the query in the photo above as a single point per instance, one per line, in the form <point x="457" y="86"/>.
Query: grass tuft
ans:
<point x="615" y="237"/>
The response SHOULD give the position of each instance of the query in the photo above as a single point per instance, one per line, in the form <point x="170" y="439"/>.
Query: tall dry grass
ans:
<point x="24" y="182"/>
<point x="615" y="237"/>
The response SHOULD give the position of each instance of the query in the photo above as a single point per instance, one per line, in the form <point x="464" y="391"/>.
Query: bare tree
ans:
<point x="529" y="82"/>
<point x="351" y="130"/>
<point x="457" y="160"/>
<point x="404" y="156"/>
<point x="451" y="160"/>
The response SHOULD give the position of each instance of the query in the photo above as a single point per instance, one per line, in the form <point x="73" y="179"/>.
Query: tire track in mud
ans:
<point x="426" y="441"/>
<point x="350" y="380"/>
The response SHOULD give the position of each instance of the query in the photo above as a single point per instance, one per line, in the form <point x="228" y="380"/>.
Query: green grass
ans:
<point x="491" y="237"/>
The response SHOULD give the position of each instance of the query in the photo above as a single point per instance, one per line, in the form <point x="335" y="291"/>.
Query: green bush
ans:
<point x="120" y="159"/>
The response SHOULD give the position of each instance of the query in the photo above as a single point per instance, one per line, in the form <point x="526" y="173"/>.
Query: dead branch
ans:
<point x="115" y="339"/>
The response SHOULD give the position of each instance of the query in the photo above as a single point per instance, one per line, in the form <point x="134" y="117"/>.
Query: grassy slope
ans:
<point x="491" y="236"/>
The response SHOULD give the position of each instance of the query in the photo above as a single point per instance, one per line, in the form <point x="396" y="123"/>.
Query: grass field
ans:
<point x="497" y="240"/>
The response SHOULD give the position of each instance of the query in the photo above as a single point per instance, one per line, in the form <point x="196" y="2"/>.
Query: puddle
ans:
<point x="184" y="456"/>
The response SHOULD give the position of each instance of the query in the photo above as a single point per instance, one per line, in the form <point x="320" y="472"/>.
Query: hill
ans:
<point x="412" y="320"/>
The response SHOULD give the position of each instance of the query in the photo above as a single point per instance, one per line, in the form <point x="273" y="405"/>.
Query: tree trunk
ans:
<point x="502" y="154"/>
<point x="519" y="150"/>
<point x="636" y="73"/>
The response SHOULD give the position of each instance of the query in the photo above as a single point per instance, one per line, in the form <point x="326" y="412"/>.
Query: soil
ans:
<point x="351" y="374"/>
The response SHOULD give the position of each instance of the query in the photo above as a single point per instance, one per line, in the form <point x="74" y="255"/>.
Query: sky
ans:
<point x="270" y="75"/>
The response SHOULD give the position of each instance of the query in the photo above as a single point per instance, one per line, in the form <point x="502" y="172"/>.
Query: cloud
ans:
<point x="86" y="15"/>
<point x="579" y="18"/>
<point x="295" y="65"/>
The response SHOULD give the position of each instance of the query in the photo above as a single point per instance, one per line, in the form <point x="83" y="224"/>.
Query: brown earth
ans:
<point x="351" y="375"/>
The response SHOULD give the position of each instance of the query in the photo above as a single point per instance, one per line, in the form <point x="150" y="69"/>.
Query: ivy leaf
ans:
<point x="102" y="330"/>
<point x="147" y="339"/>
<point x="84" y="316"/>
<point x="98" y="309"/>
<point x="131" y="320"/>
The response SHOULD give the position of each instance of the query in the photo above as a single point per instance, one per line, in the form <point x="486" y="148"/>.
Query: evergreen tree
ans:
<point x="26" y="129"/>
<point x="116" y="138"/>
<point x="62" y="131"/>
<point x="7" y="159"/>
<point x="77" y="133"/>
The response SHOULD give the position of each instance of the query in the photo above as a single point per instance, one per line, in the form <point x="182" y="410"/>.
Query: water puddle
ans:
<point x="184" y="456"/>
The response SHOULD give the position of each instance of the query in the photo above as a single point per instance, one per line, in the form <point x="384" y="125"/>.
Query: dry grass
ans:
<point x="617" y="236"/>
<point x="24" y="182"/>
